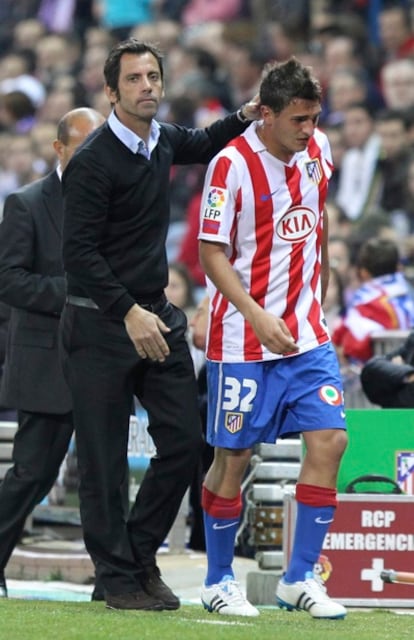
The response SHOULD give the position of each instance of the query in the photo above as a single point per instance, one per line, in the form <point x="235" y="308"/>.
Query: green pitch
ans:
<point x="45" y="620"/>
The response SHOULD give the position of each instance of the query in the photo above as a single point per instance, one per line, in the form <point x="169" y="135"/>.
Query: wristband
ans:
<point x="241" y="116"/>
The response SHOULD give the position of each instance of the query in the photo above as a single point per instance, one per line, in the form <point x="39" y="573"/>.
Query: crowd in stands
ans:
<point x="52" y="56"/>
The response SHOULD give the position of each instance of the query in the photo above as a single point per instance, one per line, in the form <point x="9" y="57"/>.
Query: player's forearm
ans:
<point x="218" y="269"/>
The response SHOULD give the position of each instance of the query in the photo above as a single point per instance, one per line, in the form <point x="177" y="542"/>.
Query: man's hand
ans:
<point x="251" y="110"/>
<point x="273" y="333"/>
<point x="145" y="330"/>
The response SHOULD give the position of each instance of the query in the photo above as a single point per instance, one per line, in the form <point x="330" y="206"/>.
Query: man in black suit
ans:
<point x="32" y="282"/>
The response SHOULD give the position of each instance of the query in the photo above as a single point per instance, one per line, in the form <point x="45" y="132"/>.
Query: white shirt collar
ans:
<point x="131" y="139"/>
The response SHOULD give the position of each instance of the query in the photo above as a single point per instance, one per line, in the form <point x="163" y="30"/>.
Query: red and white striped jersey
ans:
<point x="270" y="217"/>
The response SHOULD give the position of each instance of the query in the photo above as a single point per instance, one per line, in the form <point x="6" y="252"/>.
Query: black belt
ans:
<point x="155" y="306"/>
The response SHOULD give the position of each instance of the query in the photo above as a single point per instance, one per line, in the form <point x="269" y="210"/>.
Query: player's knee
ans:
<point x="340" y="442"/>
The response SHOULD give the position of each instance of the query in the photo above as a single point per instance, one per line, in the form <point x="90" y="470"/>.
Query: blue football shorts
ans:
<point x="252" y="402"/>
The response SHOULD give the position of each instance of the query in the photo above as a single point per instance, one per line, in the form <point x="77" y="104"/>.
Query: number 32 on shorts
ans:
<point x="238" y="395"/>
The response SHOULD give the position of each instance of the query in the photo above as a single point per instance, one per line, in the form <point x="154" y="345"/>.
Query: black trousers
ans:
<point x="40" y="445"/>
<point x="104" y="373"/>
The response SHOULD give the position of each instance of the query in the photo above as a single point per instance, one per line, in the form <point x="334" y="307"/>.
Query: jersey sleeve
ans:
<point x="218" y="201"/>
<point x="326" y="154"/>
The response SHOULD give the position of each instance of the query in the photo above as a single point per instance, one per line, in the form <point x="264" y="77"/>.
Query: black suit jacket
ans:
<point x="32" y="282"/>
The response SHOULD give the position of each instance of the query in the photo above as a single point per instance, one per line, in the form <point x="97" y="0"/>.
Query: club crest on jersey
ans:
<point x="212" y="210"/>
<point x="313" y="170"/>
<point x="331" y="395"/>
<point x="296" y="224"/>
<point x="233" y="422"/>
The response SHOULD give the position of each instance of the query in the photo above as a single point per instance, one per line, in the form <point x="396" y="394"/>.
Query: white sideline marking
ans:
<point x="234" y="623"/>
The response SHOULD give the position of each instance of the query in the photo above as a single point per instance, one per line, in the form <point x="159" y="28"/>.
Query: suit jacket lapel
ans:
<point x="52" y="192"/>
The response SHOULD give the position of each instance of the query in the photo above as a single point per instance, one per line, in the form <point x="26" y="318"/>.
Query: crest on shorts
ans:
<point x="313" y="170"/>
<point x="233" y="422"/>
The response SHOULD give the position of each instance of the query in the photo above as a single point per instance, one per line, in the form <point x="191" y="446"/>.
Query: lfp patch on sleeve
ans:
<point x="213" y="209"/>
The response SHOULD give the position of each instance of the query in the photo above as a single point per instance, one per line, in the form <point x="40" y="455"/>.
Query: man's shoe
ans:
<point x="156" y="587"/>
<point x="134" y="600"/>
<point x="227" y="599"/>
<point x="98" y="594"/>
<point x="309" y="595"/>
<point x="3" y="587"/>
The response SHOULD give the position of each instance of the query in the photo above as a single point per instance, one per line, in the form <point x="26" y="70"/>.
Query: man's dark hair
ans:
<point x="391" y="115"/>
<point x="132" y="45"/>
<point x="284" y="81"/>
<point x="379" y="256"/>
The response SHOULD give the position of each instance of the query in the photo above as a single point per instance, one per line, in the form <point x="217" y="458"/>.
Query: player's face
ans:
<point x="140" y="88"/>
<point x="290" y="130"/>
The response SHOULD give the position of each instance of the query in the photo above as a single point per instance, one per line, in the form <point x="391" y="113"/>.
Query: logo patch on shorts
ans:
<point x="233" y="422"/>
<point x="331" y="395"/>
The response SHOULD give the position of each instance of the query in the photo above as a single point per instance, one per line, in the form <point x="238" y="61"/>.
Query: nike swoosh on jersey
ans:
<point x="216" y="525"/>
<point x="266" y="196"/>
<point x="319" y="520"/>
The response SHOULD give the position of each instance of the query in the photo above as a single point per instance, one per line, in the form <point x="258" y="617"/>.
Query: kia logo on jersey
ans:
<point x="296" y="224"/>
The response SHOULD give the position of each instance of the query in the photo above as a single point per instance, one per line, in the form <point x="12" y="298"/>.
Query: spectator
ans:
<point x="196" y="12"/>
<point x="390" y="125"/>
<point x="18" y="164"/>
<point x="346" y="87"/>
<point x="382" y="301"/>
<point x="27" y="33"/>
<point x="397" y="83"/>
<point x="341" y="258"/>
<point x="17" y="112"/>
<point x="56" y="55"/>
<point x="90" y="73"/>
<point x="244" y="65"/>
<point x="57" y="16"/>
<point x="357" y="187"/>
<point x="180" y="288"/>
<point x="120" y="17"/>
<point x="57" y="103"/>
<point x="396" y="39"/>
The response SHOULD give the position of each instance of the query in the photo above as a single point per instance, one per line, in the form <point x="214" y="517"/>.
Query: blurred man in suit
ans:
<point x="32" y="282"/>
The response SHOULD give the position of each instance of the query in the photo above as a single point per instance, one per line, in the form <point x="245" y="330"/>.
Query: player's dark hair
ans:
<point x="284" y="81"/>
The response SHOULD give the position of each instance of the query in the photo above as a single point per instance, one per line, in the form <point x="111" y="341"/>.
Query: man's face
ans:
<point x="358" y="127"/>
<point x="289" y="131"/>
<point x="393" y="137"/>
<point x="140" y="88"/>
